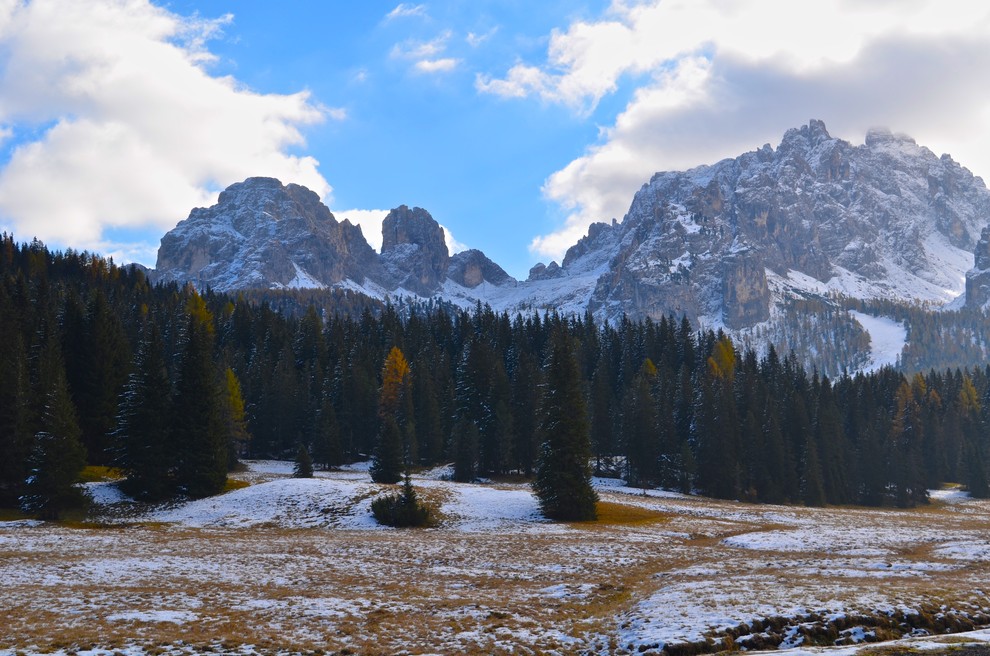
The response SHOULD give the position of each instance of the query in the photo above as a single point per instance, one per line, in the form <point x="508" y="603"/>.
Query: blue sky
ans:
<point x="514" y="123"/>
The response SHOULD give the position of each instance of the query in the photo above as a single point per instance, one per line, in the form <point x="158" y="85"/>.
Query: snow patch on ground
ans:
<point x="288" y="502"/>
<point x="887" y="339"/>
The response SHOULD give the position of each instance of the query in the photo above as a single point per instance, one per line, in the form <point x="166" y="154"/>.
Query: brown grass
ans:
<point x="99" y="474"/>
<point x="234" y="484"/>
<point x="382" y="592"/>
<point x="611" y="513"/>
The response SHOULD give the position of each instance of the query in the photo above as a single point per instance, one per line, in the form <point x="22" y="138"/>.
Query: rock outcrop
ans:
<point x="978" y="278"/>
<point x="414" y="253"/>
<point x="471" y="268"/>
<point x="265" y="234"/>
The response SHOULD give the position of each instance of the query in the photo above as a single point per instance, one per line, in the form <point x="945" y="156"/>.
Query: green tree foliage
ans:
<point x="303" y="467"/>
<point x="143" y="445"/>
<point x="563" y="473"/>
<point x="198" y="429"/>
<point x="309" y="364"/>
<point x="403" y="509"/>
<point x="15" y="435"/>
<point x="57" y="455"/>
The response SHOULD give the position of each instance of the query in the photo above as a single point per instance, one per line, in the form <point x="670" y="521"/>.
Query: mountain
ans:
<point x="263" y="234"/>
<point x="728" y="245"/>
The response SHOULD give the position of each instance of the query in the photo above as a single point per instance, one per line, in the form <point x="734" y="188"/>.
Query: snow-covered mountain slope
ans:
<point x="262" y="234"/>
<point x="265" y="234"/>
<point x="727" y="244"/>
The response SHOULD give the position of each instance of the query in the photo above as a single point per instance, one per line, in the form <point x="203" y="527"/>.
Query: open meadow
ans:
<point x="299" y="565"/>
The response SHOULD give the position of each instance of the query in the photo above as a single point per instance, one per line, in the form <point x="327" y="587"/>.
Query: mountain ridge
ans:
<point x="725" y="244"/>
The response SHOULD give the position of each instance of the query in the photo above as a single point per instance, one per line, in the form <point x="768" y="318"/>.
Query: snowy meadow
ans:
<point x="300" y="566"/>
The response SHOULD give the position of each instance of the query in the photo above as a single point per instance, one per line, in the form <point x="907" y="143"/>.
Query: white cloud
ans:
<point x="443" y="65"/>
<point x="474" y="39"/>
<point x="371" y="227"/>
<point x="413" y="49"/>
<point x="715" y="79"/>
<point x="404" y="10"/>
<point x="133" y="131"/>
<point x="425" y="55"/>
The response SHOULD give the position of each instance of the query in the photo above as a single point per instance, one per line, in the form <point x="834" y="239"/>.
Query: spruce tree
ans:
<point x="15" y="435"/>
<point x="465" y="448"/>
<point x="303" y="467"/>
<point x="57" y="455"/>
<point x="142" y="447"/>
<point x="198" y="429"/>
<point x="563" y="472"/>
<point x="326" y="438"/>
<point x="639" y="427"/>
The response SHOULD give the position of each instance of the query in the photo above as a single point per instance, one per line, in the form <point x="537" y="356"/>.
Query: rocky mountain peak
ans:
<point x="724" y="243"/>
<point x="414" y="251"/>
<point x="261" y="233"/>
<point x="472" y="268"/>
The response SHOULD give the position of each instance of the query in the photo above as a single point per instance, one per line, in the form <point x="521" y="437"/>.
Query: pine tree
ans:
<point x="303" y="467"/>
<point x="386" y="466"/>
<point x="57" y="456"/>
<point x="326" y="439"/>
<point x="465" y="448"/>
<point x="396" y="413"/>
<point x="142" y="446"/>
<point x="639" y="428"/>
<point x="198" y="429"/>
<point x="15" y="435"/>
<point x="563" y="473"/>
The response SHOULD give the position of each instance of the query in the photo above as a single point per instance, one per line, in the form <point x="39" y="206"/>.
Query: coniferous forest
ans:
<point x="99" y="366"/>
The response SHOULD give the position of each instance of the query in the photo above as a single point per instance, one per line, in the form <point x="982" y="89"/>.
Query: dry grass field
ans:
<point x="298" y="566"/>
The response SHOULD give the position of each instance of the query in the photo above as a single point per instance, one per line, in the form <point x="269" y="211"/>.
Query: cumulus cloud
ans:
<point x="405" y="10"/>
<point x="714" y="79"/>
<point x="426" y="55"/>
<point x="118" y="124"/>
<point x="442" y="65"/>
<point x="371" y="227"/>
<point x="474" y="39"/>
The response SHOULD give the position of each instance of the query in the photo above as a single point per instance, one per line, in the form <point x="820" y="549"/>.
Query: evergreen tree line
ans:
<point x="169" y="384"/>
<point x="97" y="366"/>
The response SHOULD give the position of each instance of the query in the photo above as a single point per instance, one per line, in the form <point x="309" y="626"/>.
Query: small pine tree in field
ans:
<point x="403" y="509"/>
<point x="304" y="464"/>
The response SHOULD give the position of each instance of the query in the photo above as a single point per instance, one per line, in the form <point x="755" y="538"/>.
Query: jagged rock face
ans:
<point x="978" y="278"/>
<point x="414" y="252"/>
<point x="471" y="268"/>
<point x="264" y="234"/>
<point x="745" y="294"/>
<point x="541" y="271"/>
<point x="887" y="218"/>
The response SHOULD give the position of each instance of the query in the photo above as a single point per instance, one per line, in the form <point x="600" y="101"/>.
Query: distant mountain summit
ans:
<point x="262" y="234"/>
<point x="726" y="245"/>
